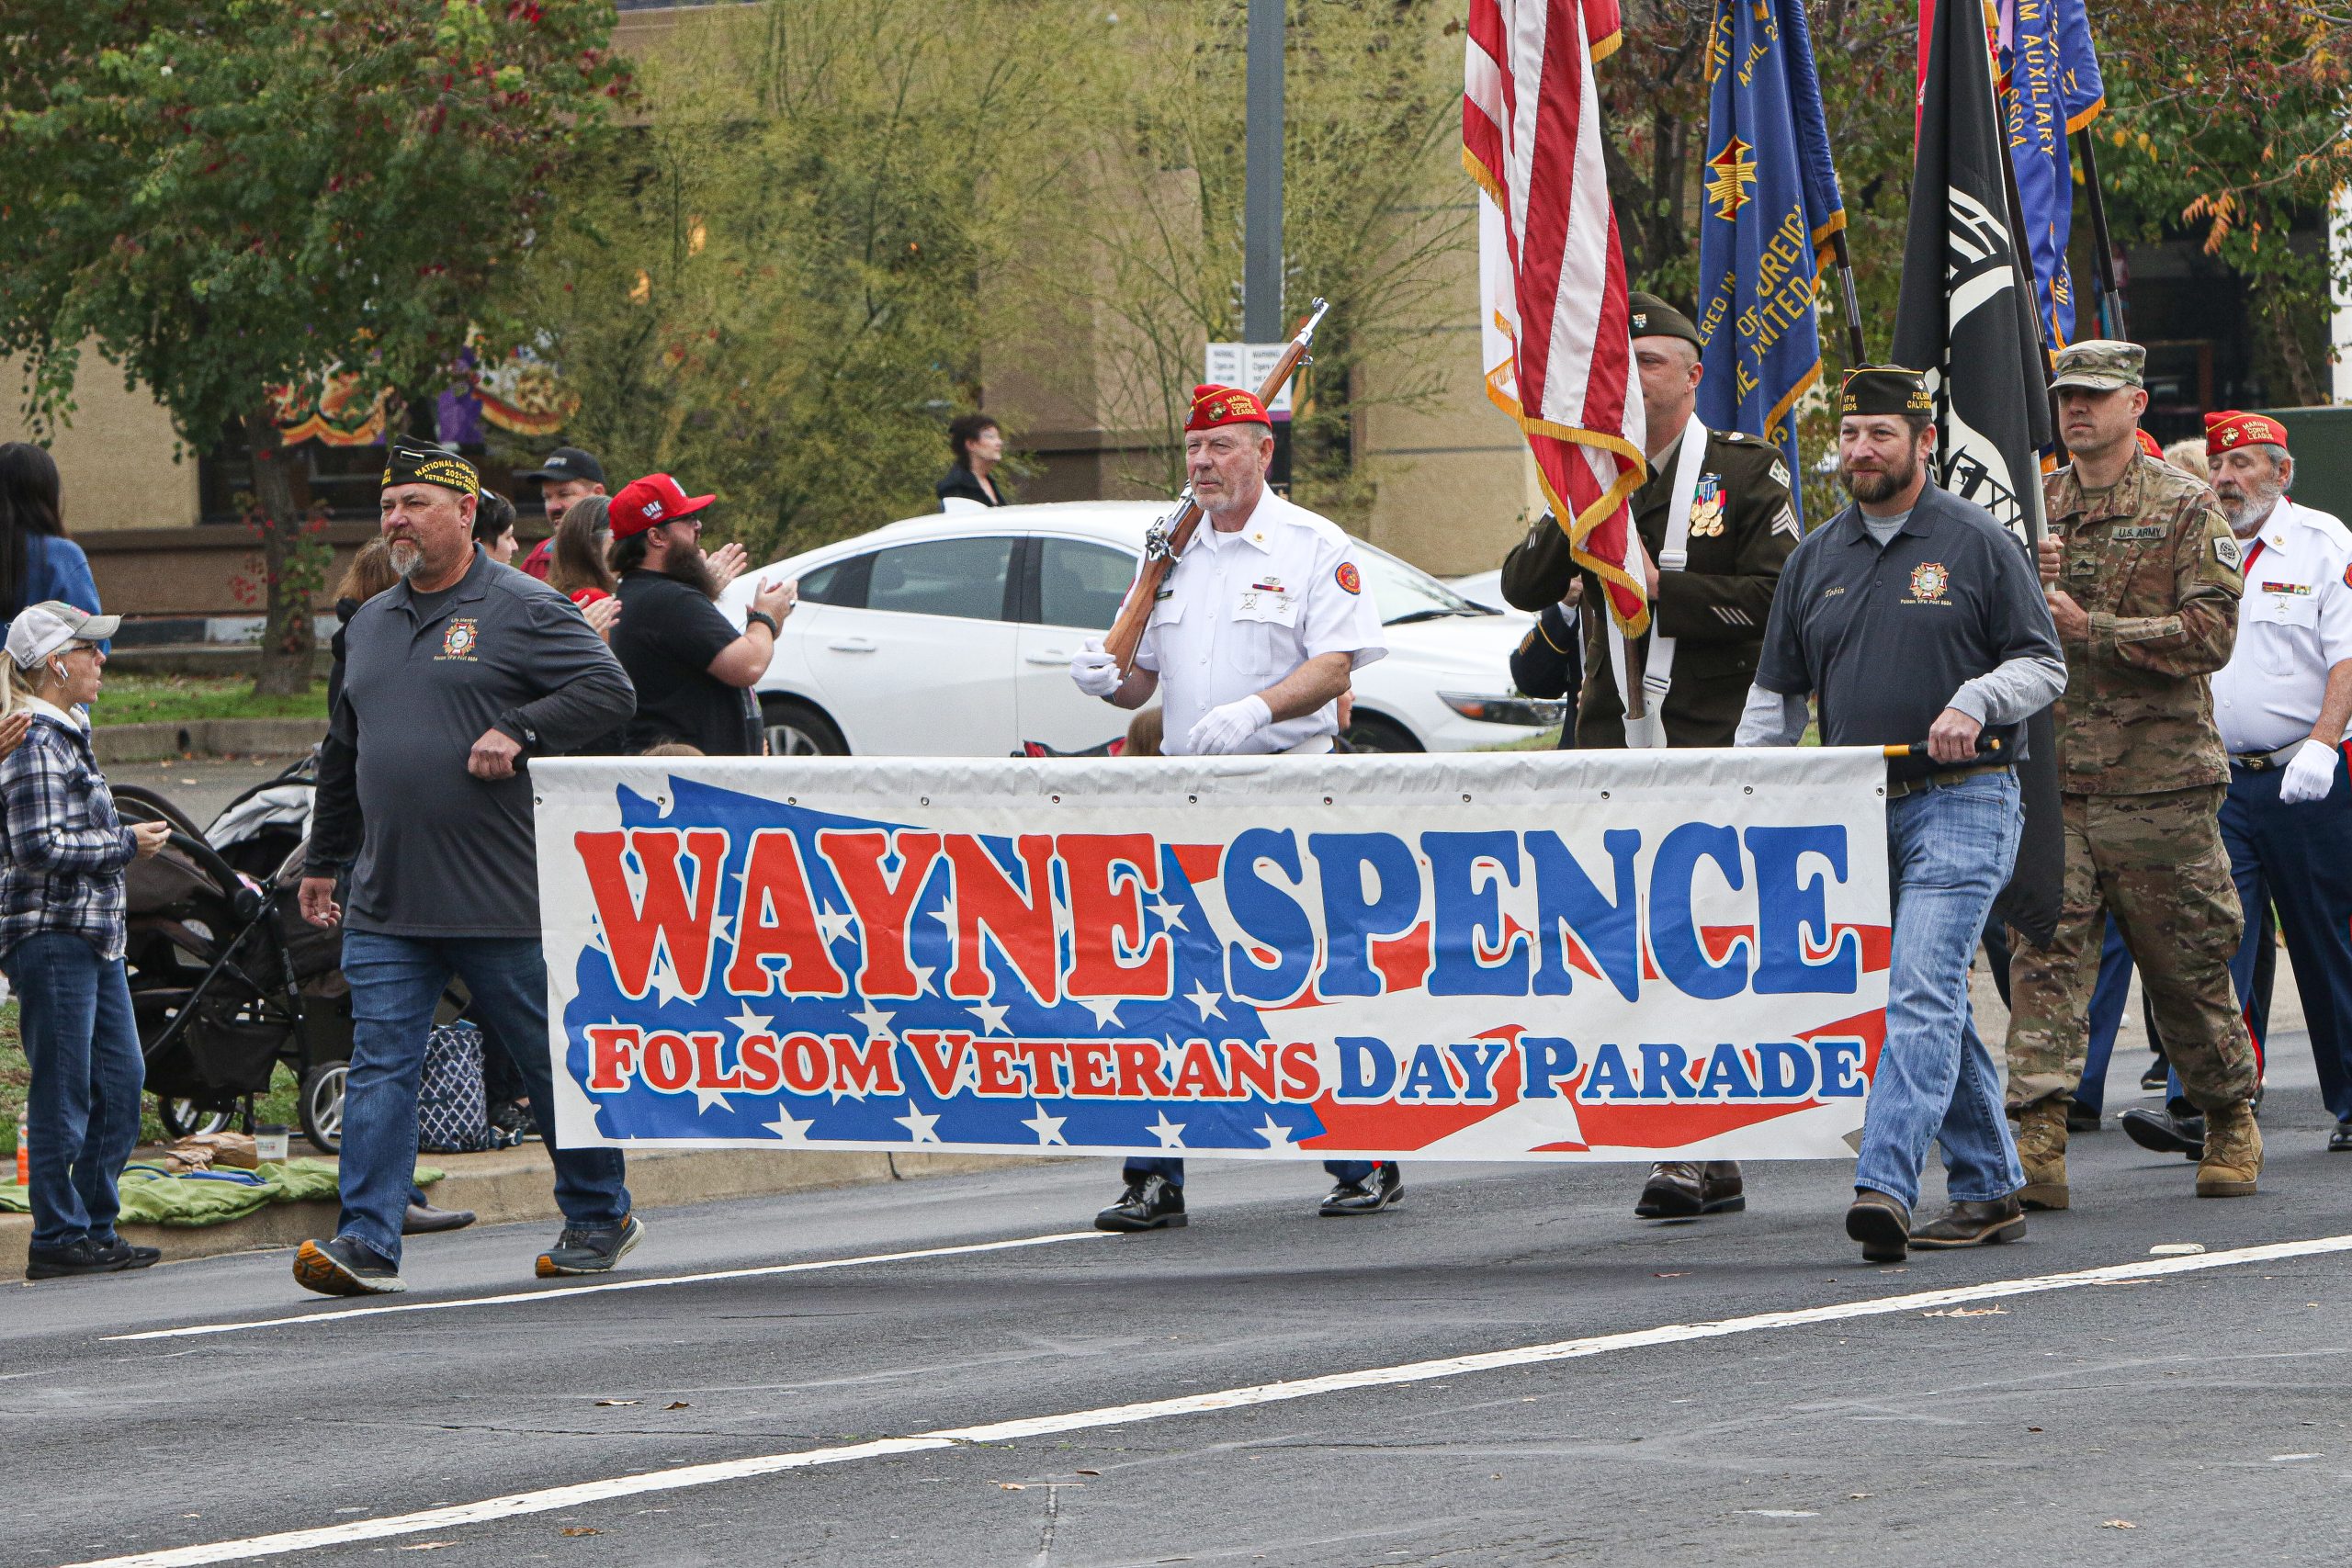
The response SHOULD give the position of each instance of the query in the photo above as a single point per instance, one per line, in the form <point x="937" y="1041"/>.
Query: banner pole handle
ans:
<point x="1859" y="355"/>
<point x="2110" y="299"/>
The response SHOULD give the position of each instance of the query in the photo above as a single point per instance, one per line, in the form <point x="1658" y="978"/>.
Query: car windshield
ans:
<point x="1405" y="593"/>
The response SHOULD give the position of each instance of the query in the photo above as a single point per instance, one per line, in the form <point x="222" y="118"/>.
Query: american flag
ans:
<point x="1551" y="278"/>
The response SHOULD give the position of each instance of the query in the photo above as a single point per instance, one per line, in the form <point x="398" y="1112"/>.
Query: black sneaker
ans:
<point x="1150" y="1203"/>
<point x="344" y="1267"/>
<point x="2159" y="1073"/>
<point x="1385" y="1186"/>
<point x="512" y="1119"/>
<point x="131" y="1256"/>
<point x="72" y="1260"/>
<point x="590" y="1250"/>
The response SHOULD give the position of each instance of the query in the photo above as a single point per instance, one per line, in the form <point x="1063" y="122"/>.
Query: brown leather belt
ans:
<point x="1937" y="781"/>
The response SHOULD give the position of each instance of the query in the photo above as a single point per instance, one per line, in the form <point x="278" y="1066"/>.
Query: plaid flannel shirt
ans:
<point x="63" y="849"/>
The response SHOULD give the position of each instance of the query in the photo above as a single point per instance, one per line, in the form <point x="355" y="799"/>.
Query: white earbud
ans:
<point x="58" y="671"/>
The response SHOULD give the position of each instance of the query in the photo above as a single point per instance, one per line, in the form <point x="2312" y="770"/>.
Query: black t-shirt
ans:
<point x="1885" y="635"/>
<point x="666" y="636"/>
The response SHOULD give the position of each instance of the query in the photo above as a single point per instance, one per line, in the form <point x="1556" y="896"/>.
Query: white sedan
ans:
<point x="951" y="635"/>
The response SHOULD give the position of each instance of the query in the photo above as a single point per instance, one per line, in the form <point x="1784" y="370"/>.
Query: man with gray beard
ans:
<point x="453" y="680"/>
<point x="2281" y="703"/>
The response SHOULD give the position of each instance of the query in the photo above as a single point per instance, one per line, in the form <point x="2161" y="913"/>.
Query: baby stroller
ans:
<point x="227" y="979"/>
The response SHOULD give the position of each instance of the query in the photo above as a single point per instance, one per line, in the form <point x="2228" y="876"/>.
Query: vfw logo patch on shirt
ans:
<point x="460" y="640"/>
<point x="1928" y="581"/>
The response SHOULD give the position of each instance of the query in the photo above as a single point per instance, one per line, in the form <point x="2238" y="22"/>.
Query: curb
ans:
<point x="506" y="1186"/>
<point x="163" y="742"/>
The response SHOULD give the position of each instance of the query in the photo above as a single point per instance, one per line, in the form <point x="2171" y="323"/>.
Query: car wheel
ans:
<point x="321" y="1105"/>
<point x="1370" y="732"/>
<point x="185" y="1118"/>
<point x="795" y="729"/>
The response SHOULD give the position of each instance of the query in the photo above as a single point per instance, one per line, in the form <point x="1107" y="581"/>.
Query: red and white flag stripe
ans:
<point x="1552" y="278"/>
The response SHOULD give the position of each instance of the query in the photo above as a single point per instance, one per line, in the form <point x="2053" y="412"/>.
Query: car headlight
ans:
<point x="1535" y="713"/>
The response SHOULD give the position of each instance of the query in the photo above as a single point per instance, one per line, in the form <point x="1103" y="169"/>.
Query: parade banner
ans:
<point x="1575" y="955"/>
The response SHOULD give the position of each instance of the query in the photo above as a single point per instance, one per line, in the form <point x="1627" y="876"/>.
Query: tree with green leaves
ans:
<point x="224" y="197"/>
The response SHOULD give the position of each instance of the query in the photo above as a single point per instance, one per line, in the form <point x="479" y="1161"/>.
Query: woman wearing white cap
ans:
<point x="62" y="851"/>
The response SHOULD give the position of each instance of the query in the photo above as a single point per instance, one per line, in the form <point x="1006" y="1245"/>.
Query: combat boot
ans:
<point x="2232" y="1153"/>
<point x="2042" y="1150"/>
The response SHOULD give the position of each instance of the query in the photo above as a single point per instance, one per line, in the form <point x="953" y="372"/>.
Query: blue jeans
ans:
<point x="83" y="1111"/>
<point x="396" y="982"/>
<point x="1949" y="853"/>
<point x="1346" y="1171"/>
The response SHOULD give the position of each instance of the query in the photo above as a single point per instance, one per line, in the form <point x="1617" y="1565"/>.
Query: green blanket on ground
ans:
<point x="149" y="1197"/>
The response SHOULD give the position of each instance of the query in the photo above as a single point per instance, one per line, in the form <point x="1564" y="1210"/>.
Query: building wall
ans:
<point x="116" y="456"/>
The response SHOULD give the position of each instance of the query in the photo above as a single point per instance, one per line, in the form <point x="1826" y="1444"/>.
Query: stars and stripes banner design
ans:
<point x="1551" y="276"/>
<point x="1551" y="956"/>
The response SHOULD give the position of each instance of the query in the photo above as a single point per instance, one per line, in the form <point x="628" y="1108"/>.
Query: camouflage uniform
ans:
<point x="2154" y="566"/>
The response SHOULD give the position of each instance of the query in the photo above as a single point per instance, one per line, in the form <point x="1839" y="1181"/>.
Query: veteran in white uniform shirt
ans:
<point x="2281" y="703"/>
<point x="1248" y="649"/>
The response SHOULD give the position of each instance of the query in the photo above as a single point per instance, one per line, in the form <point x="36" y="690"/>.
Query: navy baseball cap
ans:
<point x="567" y="463"/>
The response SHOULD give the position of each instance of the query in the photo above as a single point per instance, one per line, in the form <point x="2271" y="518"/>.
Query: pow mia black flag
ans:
<point x="1965" y="317"/>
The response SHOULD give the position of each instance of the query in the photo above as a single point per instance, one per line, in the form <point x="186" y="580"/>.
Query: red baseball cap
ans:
<point x="650" y="501"/>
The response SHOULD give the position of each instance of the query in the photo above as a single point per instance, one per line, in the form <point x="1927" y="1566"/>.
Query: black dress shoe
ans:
<point x="128" y="1255"/>
<point x="1385" y="1186"/>
<point x="1882" y="1224"/>
<point x="2159" y="1074"/>
<point x="72" y="1260"/>
<point x="2081" y="1118"/>
<point x="1683" y="1190"/>
<point x="2340" y="1141"/>
<point x="1974" y="1225"/>
<point x="1150" y="1203"/>
<point x="2163" y="1133"/>
<point x="424" y="1219"/>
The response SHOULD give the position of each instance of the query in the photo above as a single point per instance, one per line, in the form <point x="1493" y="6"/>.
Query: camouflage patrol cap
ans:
<point x="1647" y="315"/>
<point x="2100" y="364"/>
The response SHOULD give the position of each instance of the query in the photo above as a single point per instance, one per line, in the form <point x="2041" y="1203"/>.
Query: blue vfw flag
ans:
<point x="2053" y="90"/>
<point x="1771" y="202"/>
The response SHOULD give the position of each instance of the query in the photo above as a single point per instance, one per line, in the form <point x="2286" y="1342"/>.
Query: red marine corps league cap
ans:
<point x="650" y="501"/>
<point x="2230" y="429"/>
<point x="1214" y="406"/>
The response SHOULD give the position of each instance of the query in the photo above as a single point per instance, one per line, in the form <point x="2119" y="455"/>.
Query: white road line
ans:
<point x="687" y="1476"/>
<point x="513" y="1298"/>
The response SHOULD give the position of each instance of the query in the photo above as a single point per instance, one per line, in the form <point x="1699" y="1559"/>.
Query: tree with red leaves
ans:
<point x="223" y="198"/>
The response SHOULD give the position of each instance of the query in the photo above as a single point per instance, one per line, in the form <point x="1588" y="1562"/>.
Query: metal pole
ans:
<point x="2110" y="299"/>
<point x="1857" y="354"/>
<point x="1261" y="211"/>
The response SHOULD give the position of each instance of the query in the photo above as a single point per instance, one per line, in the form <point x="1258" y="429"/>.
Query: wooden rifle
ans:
<point x="1169" y="537"/>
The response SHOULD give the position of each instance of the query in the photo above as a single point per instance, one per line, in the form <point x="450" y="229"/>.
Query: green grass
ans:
<point x="15" y="1078"/>
<point x="175" y="699"/>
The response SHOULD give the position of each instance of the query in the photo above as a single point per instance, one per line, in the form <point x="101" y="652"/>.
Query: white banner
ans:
<point x="1588" y="955"/>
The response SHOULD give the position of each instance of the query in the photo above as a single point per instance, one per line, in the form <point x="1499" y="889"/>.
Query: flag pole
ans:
<point x="2110" y="299"/>
<point x="1861" y="355"/>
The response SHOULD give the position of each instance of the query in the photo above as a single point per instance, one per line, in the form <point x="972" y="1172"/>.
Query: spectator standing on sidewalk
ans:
<point x="494" y="527"/>
<point x="454" y="680"/>
<point x="694" y="673"/>
<point x="582" y="573"/>
<point x="567" y="475"/>
<point x="62" y="854"/>
<point x="37" y="561"/>
<point x="979" y="444"/>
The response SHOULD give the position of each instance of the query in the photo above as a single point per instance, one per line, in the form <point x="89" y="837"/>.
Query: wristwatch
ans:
<point x="765" y="619"/>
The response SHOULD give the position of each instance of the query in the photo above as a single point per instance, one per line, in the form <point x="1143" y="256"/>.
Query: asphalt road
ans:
<point x="200" y="787"/>
<point x="2189" y="1415"/>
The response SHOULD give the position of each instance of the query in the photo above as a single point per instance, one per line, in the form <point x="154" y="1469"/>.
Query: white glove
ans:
<point x="1223" y="729"/>
<point x="2311" y="776"/>
<point x="1095" y="672"/>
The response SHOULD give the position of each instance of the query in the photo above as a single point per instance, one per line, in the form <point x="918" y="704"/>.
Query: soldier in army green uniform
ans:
<point x="2142" y="576"/>
<point x="1713" y="605"/>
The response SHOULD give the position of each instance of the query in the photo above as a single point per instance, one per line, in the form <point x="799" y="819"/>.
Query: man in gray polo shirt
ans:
<point x="452" y="681"/>
<point x="1913" y="615"/>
